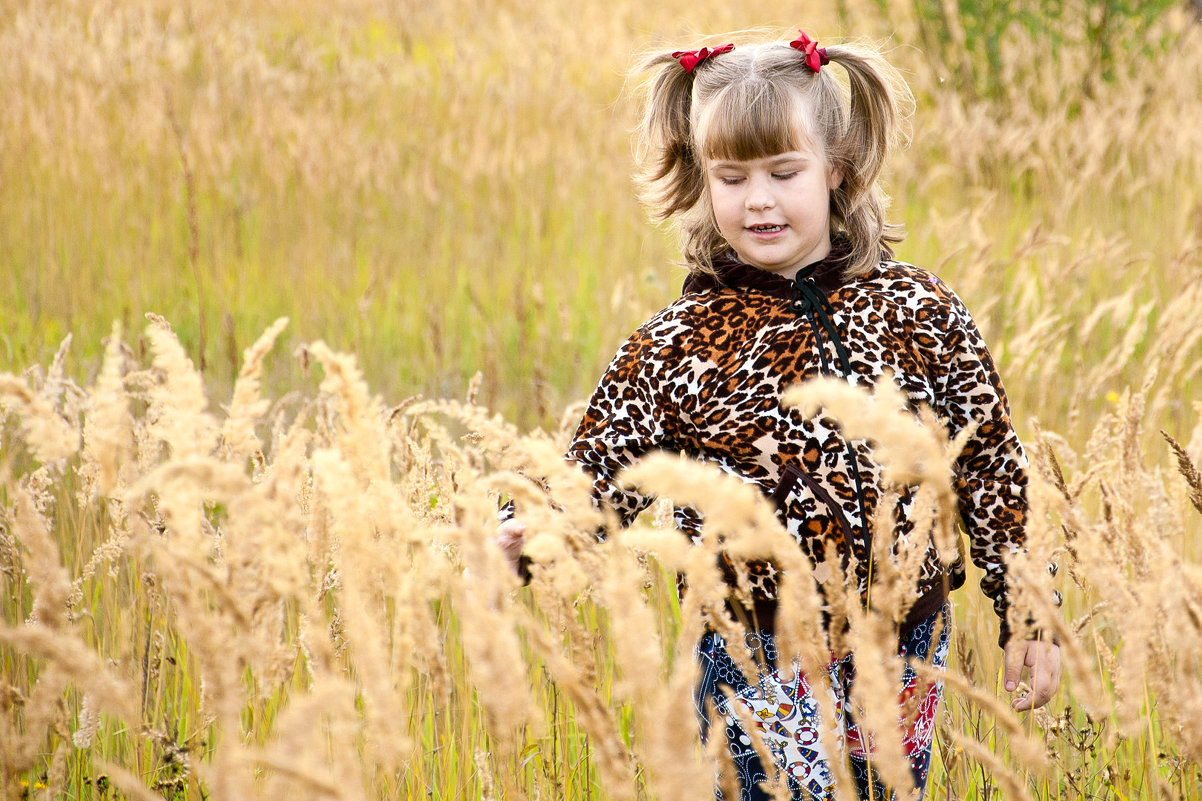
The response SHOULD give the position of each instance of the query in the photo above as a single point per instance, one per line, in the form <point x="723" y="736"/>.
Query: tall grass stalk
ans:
<point x="253" y="557"/>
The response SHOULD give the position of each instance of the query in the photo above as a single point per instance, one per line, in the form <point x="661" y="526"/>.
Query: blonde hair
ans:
<point x="761" y="100"/>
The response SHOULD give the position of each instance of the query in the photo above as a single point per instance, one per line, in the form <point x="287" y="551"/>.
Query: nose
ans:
<point x="759" y="194"/>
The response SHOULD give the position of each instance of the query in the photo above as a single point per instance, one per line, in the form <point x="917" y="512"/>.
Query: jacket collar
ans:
<point x="733" y="273"/>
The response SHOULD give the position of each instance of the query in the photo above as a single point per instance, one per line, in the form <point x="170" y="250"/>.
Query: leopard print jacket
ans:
<point x="704" y="377"/>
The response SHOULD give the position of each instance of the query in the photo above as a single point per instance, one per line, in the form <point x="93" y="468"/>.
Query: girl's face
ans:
<point x="774" y="211"/>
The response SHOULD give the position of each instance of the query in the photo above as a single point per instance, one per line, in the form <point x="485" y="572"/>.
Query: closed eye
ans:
<point x="784" y="176"/>
<point x="729" y="180"/>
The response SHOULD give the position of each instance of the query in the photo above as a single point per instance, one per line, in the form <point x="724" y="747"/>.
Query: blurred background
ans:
<point x="445" y="187"/>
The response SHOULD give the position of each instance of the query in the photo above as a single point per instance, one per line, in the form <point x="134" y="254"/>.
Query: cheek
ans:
<point x="725" y="209"/>
<point x="720" y="194"/>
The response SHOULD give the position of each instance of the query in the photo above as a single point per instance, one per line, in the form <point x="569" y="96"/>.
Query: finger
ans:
<point x="1015" y="655"/>
<point x="1046" y="676"/>
<point x="1043" y="659"/>
<point x="1040" y="697"/>
<point x="1039" y="694"/>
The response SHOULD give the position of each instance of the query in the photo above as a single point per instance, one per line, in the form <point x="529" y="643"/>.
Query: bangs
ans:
<point x="753" y="119"/>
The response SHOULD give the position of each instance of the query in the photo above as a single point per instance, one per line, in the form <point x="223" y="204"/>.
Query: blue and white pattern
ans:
<point x="786" y="714"/>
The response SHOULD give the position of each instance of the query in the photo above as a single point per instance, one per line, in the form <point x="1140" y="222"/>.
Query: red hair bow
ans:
<point x="689" y="59"/>
<point x="815" y="55"/>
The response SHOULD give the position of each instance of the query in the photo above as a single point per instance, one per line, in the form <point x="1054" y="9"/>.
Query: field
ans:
<point x="295" y="293"/>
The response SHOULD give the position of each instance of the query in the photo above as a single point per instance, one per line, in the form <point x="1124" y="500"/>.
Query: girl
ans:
<point x="768" y="165"/>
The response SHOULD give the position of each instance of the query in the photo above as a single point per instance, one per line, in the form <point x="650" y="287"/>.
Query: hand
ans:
<point x="1041" y="662"/>
<point x="511" y="536"/>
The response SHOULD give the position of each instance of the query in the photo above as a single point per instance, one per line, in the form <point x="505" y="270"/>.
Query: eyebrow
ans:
<point x="789" y="157"/>
<point x="784" y="158"/>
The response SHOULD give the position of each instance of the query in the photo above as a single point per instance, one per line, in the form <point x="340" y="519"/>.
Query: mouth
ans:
<point x="765" y="228"/>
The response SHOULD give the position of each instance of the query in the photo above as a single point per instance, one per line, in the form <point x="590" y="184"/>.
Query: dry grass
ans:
<point x="222" y="578"/>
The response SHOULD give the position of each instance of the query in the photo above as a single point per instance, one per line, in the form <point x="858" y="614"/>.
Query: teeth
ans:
<point x="766" y="229"/>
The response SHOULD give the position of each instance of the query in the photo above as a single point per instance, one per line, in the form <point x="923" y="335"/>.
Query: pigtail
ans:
<point x="880" y="102"/>
<point x="670" y="178"/>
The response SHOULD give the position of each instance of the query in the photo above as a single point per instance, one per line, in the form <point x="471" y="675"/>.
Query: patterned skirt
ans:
<point x="787" y="716"/>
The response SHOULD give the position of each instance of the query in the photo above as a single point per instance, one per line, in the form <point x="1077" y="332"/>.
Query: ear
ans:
<point x="834" y="178"/>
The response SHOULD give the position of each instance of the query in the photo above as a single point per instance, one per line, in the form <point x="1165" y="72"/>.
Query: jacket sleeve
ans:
<point x="991" y="472"/>
<point x="625" y="419"/>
